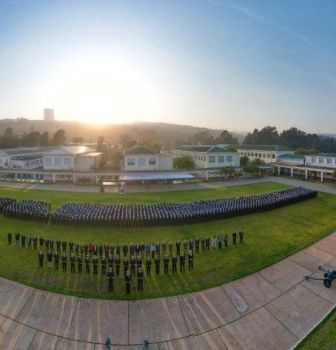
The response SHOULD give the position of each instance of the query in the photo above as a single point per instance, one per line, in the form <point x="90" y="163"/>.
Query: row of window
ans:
<point x="258" y="154"/>
<point x="322" y="160"/>
<point x="203" y="158"/>
<point x="57" y="161"/>
<point x="141" y="161"/>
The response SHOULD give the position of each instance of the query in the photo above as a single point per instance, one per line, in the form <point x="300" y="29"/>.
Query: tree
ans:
<point x="226" y="137"/>
<point x="100" y="163"/>
<point x="44" y="141"/>
<point x="202" y="138"/>
<point x="78" y="140"/>
<point x="228" y="171"/>
<point x="251" y="169"/>
<point x="244" y="160"/>
<point x="185" y="162"/>
<point x="59" y="137"/>
<point x="266" y="136"/>
<point x="257" y="162"/>
<point x="100" y="144"/>
<point x="32" y="139"/>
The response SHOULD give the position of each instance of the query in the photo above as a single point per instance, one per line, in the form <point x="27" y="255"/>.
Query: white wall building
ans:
<point x="267" y="153"/>
<point x="142" y="159"/>
<point x="206" y="157"/>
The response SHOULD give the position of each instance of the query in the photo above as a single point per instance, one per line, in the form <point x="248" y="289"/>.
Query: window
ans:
<point x="47" y="161"/>
<point x="152" y="161"/>
<point x="321" y="160"/>
<point x="67" y="161"/>
<point x="329" y="161"/>
<point x="273" y="155"/>
<point x="58" y="161"/>
<point x="264" y="155"/>
<point x="259" y="155"/>
<point x="248" y="153"/>
<point x="252" y="154"/>
<point x="268" y="155"/>
<point x="212" y="159"/>
<point x="229" y="159"/>
<point x="130" y="161"/>
<point x="220" y="159"/>
<point x="142" y="161"/>
<point x="313" y="160"/>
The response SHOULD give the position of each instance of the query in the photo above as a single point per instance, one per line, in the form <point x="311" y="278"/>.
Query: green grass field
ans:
<point x="269" y="237"/>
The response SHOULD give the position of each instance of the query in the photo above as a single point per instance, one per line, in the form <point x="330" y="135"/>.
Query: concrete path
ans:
<point x="272" y="309"/>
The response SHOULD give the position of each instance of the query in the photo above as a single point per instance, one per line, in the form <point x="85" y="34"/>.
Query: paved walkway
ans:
<point x="272" y="309"/>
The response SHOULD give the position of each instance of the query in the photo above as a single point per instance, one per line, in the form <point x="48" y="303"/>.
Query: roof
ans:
<point x="205" y="149"/>
<point x="91" y="154"/>
<point x="292" y="156"/>
<point x="72" y="150"/>
<point x="324" y="155"/>
<point x="25" y="150"/>
<point x="265" y="147"/>
<point x="155" y="176"/>
<point x="138" y="150"/>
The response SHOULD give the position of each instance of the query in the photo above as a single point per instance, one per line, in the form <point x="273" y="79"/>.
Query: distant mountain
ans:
<point x="165" y="133"/>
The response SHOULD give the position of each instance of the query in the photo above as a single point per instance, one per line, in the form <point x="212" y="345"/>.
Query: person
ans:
<point x="128" y="280"/>
<point x="203" y="244"/>
<point x="197" y="244"/>
<point x="9" y="237"/>
<point x="103" y="265"/>
<point x="110" y="278"/>
<point x="148" y="265"/>
<point x="64" y="262"/>
<point x="95" y="265"/>
<point x="41" y="258"/>
<point x="191" y="260"/>
<point x="174" y="263"/>
<point x="220" y="241"/>
<point x="166" y="264"/>
<point x="226" y="239"/>
<point x="72" y="262"/>
<point x="213" y="242"/>
<point x="80" y="263"/>
<point x="157" y="265"/>
<point x="182" y="262"/>
<point x="234" y="238"/>
<point x="87" y="264"/>
<point x="35" y="242"/>
<point x="117" y="264"/>
<point x="49" y="259"/>
<point x="170" y="248"/>
<point x="110" y="261"/>
<point x="139" y="262"/>
<point x="185" y="246"/>
<point x="178" y="247"/>
<point x="56" y="259"/>
<point x="241" y="237"/>
<point x="140" y="279"/>
<point x="125" y="265"/>
<point x="17" y="239"/>
<point x="153" y="250"/>
<point x="132" y="263"/>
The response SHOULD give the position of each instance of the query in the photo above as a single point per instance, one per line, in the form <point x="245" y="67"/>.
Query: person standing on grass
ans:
<point x="117" y="262"/>
<point x="49" y="259"/>
<point x="157" y="265"/>
<point x="174" y="263"/>
<point x="40" y="258"/>
<point x="9" y="237"/>
<point x="80" y="263"/>
<point x="87" y="265"/>
<point x="234" y="238"/>
<point x="241" y="237"/>
<point x="72" y="262"/>
<point x="226" y="239"/>
<point x="56" y="259"/>
<point x="140" y="279"/>
<point x="128" y="280"/>
<point x="148" y="265"/>
<point x="110" y="278"/>
<point x="182" y="262"/>
<point x="64" y="262"/>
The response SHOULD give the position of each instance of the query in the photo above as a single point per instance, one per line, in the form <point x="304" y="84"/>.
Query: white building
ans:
<point x="206" y="157"/>
<point x="267" y="153"/>
<point x="77" y="158"/>
<point x="24" y="158"/>
<point x="138" y="158"/>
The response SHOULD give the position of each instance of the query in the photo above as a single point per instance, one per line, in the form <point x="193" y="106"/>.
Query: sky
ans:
<point x="220" y="64"/>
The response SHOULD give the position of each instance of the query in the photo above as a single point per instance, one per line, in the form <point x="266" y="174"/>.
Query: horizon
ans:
<point x="211" y="64"/>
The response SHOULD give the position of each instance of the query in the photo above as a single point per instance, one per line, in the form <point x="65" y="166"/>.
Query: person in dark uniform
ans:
<point x="49" y="259"/>
<point x="95" y="264"/>
<point x="182" y="262"/>
<point x="80" y="263"/>
<point x="226" y="239"/>
<point x="234" y="238"/>
<point x="197" y="244"/>
<point x="148" y="265"/>
<point x="87" y="264"/>
<point x="241" y="237"/>
<point x="139" y="262"/>
<point x="140" y="279"/>
<point x="174" y="263"/>
<point x="103" y="265"/>
<point x="72" y="262"/>
<point x="166" y="264"/>
<point x="40" y="258"/>
<point x="190" y="260"/>
<point x="125" y="265"/>
<point x="9" y="237"/>
<point x="110" y="278"/>
<point x="17" y="239"/>
<point x="117" y="264"/>
<point x="56" y="259"/>
<point x="110" y="261"/>
<point x="64" y="262"/>
<point x="178" y="247"/>
<point x="128" y="280"/>
<point x="157" y="265"/>
<point x="132" y="263"/>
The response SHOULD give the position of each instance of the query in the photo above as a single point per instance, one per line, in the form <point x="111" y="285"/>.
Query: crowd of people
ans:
<point x="126" y="260"/>
<point x="159" y="214"/>
<point x="168" y="214"/>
